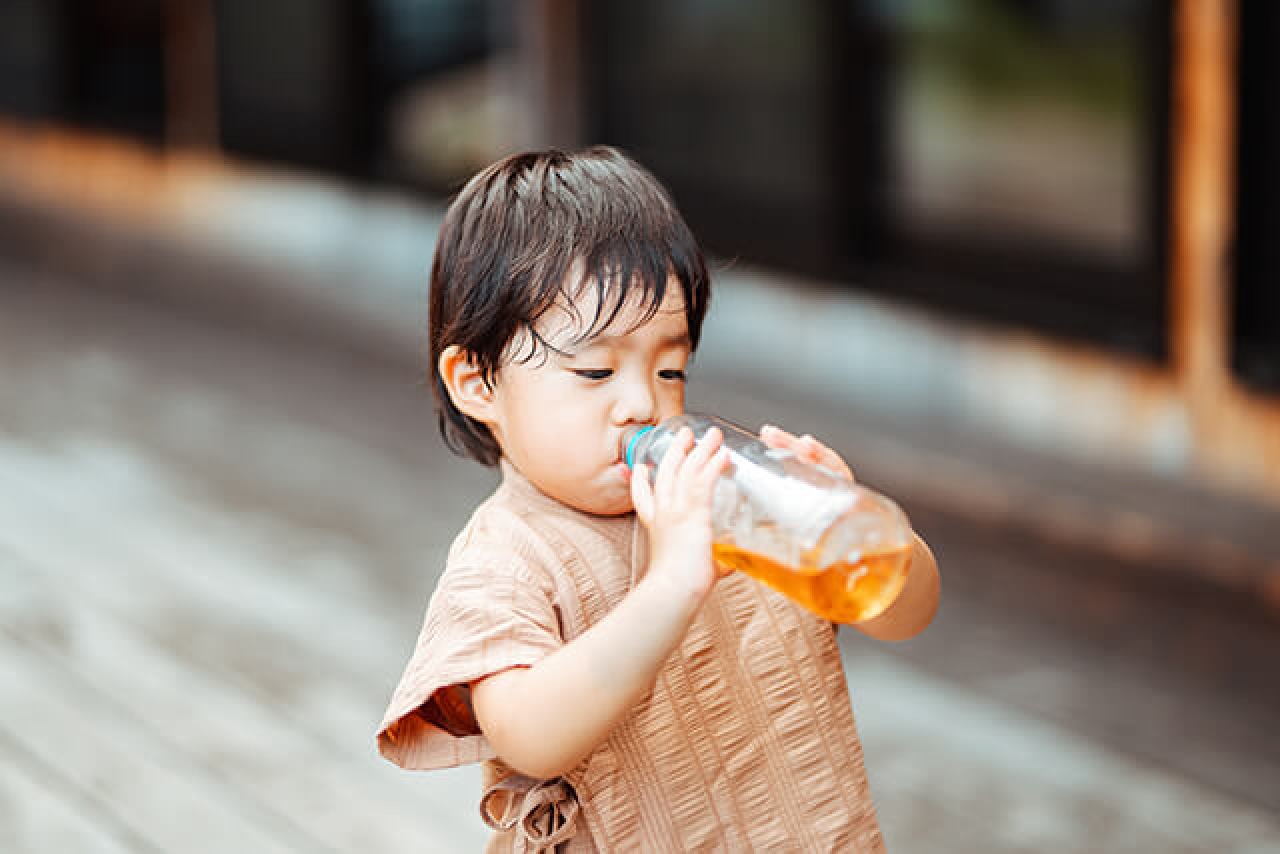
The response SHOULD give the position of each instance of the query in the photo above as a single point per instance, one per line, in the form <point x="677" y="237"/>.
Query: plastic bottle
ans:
<point x="836" y="547"/>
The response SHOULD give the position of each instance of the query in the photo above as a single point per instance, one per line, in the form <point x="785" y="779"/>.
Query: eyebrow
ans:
<point x="680" y="339"/>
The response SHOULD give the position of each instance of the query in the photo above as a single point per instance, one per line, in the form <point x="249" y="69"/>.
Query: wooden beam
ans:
<point x="191" y="74"/>
<point x="1203" y="199"/>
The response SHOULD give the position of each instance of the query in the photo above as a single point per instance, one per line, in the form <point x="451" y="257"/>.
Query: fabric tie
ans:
<point x="543" y="813"/>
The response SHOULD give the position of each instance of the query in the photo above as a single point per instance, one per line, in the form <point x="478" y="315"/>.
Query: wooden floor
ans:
<point x="215" y="549"/>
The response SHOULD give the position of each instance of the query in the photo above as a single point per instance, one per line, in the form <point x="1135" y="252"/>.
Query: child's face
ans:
<point x="560" y="420"/>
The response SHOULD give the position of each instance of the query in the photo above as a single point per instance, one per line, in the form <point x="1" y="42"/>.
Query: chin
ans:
<point x="604" y="495"/>
<point x="622" y="509"/>
<point x="617" y="505"/>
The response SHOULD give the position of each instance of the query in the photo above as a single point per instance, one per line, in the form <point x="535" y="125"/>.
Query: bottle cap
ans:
<point x="631" y="445"/>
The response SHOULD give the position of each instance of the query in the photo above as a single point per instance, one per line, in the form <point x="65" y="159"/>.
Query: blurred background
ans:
<point x="1012" y="258"/>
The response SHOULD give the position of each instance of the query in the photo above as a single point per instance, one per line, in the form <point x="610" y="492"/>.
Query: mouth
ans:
<point x="625" y="439"/>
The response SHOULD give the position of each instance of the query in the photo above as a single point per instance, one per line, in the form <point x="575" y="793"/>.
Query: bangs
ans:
<point x="602" y="236"/>
<point x="611" y="285"/>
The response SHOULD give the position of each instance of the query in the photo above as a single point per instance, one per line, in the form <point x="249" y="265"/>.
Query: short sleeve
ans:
<point x="486" y="616"/>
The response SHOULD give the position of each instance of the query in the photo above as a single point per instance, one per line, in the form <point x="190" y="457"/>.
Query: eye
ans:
<point x="673" y="375"/>
<point x="594" y="373"/>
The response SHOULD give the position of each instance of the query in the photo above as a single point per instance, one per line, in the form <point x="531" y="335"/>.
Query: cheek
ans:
<point x="672" y="398"/>
<point x="564" y="420"/>
<point x="533" y="417"/>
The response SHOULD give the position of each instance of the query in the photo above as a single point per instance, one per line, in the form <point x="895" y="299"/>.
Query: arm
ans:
<point x="917" y="603"/>
<point x="543" y="720"/>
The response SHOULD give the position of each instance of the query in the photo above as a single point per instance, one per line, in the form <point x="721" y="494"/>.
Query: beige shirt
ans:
<point x="746" y="741"/>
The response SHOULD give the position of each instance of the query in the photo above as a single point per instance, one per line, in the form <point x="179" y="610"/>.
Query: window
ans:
<point x="1001" y="158"/>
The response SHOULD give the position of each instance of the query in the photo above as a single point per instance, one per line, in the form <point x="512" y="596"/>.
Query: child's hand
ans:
<point x="676" y="510"/>
<point x="806" y="448"/>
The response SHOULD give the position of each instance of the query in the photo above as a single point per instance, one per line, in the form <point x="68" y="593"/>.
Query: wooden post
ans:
<point x="191" y="71"/>
<point x="550" y="73"/>
<point x="1203" y="202"/>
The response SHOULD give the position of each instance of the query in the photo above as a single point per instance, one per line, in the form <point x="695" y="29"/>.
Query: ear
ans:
<point x="465" y="383"/>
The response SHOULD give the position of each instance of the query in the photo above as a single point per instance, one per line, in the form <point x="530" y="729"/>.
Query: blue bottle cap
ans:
<point x="631" y="445"/>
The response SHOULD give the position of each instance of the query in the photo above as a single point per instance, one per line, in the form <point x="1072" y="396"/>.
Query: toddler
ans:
<point x="623" y="692"/>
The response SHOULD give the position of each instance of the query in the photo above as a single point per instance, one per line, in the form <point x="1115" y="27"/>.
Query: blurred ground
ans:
<point x="216" y="542"/>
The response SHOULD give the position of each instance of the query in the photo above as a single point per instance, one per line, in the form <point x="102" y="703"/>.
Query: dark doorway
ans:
<point x="1256" y="333"/>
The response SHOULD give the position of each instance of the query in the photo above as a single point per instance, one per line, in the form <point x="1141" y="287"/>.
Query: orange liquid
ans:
<point x="842" y="592"/>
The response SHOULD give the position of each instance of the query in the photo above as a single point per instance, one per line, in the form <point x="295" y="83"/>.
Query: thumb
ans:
<point x="642" y="493"/>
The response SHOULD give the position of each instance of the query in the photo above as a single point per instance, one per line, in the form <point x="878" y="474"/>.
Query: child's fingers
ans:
<point x="705" y="465"/>
<point x="810" y="448"/>
<point x="806" y="448"/>
<point x="670" y="465"/>
<point x="819" y="453"/>
<point x="714" y="468"/>
<point x="707" y="445"/>
<point x="776" y="437"/>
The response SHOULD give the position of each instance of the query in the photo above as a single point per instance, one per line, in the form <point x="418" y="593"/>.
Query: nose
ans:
<point x="636" y="401"/>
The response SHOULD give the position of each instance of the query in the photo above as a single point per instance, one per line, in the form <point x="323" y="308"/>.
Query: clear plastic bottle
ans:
<point x="836" y="547"/>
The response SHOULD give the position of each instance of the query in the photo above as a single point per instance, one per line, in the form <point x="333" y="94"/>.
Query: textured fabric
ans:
<point x="746" y="742"/>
